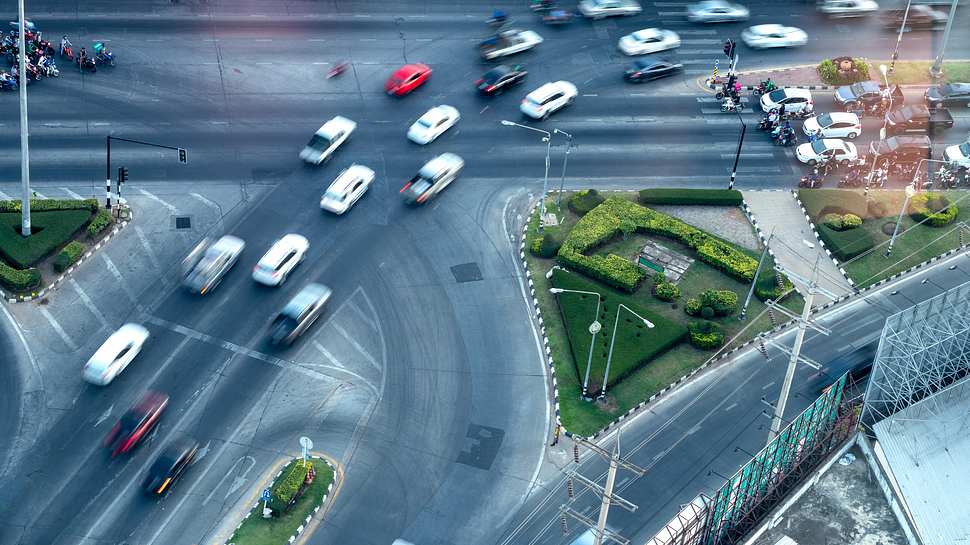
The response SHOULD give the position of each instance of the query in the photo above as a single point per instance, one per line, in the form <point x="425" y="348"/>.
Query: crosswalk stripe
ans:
<point x="700" y="41"/>
<point x="72" y="194"/>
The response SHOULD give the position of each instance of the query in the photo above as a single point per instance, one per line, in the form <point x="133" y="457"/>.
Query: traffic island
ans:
<point x="288" y="504"/>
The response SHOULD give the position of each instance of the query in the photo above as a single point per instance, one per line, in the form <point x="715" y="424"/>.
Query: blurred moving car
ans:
<point x="919" y="18"/>
<point x="834" y="125"/>
<point x="598" y="9"/>
<point x="349" y="186"/>
<point x="327" y="139"/>
<point x="650" y="69"/>
<point x="649" y="40"/>
<point x="716" y="11"/>
<point x="848" y="8"/>
<point x="169" y="465"/>
<point x="794" y="100"/>
<point x="500" y="78"/>
<point x="826" y="149"/>
<point x="280" y="260"/>
<point x="958" y="154"/>
<point x="407" y="78"/>
<point x="136" y="423"/>
<point x="549" y="98"/>
<point x="433" y="177"/>
<point x="115" y="354"/>
<point x="948" y="94"/>
<point x="769" y="36"/>
<point x="299" y="314"/>
<point x="433" y="124"/>
<point x="215" y="263"/>
<point x="508" y="42"/>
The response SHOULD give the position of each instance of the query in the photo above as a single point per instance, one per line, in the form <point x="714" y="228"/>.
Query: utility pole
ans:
<point x="936" y="71"/>
<point x="899" y="38"/>
<point x="562" y="178"/>
<point x="24" y="133"/>
<point x="605" y="492"/>
<point x="757" y="273"/>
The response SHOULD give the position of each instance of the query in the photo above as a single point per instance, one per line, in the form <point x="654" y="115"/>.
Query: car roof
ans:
<point x="281" y="248"/>
<point x="548" y="89"/>
<point x="955" y="87"/>
<point x="337" y="123"/>
<point x="647" y="32"/>
<point x="843" y="117"/>
<point x="771" y="28"/>
<point x="834" y="143"/>
<point x="439" y="163"/>
<point x="225" y="244"/>
<point x="409" y="69"/>
<point x="796" y="92"/>
<point x="310" y="294"/>
<point x="348" y="176"/>
<point x="117" y="341"/>
<point x="434" y="114"/>
<point x="868" y="86"/>
<point x="499" y="70"/>
<point x="170" y="455"/>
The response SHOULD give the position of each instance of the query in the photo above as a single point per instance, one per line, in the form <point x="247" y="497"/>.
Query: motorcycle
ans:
<point x="811" y="181"/>
<point x="7" y="82"/>
<point x="729" y="105"/>
<point x="765" y="86"/>
<point x="338" y="69"/>
<point x="786" y="138"/>
<point x="102" y="55"/>
<point x="541" y="5"/>
<point x="67" y="49"/>
<point x="47" y="66"/>
<point x="85" y="63"/>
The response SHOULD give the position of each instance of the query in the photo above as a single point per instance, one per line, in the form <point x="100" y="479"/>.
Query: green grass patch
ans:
<point x="51" y="230"/>
<point x="256" y="530"/>
<point x="917" y="72"/>
<point x="847" y="244"/>
<point x="818" y="202"/>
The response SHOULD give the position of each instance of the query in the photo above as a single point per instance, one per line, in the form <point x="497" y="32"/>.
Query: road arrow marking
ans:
<point x="202" y="452"/>
<point x="104" y="416"/>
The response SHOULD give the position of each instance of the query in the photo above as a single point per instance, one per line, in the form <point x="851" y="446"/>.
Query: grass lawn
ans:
<point x="585" y="418"/>
<point x="256" y="530"/>
<point x="917" y="72"/>
<point x="50" y="231"/>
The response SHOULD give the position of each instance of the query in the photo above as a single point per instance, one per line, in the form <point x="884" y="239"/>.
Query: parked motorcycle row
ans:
<point x="40" y="56"/>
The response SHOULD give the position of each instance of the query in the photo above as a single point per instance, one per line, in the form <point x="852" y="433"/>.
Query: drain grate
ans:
<point x="466" y="272"/>
<point x="183" y="222"/>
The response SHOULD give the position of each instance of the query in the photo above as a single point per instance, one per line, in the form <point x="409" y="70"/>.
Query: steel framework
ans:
<point x="923" y="349"/>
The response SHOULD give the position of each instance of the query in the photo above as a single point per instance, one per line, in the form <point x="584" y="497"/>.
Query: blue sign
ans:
<point x="265" y="496"/>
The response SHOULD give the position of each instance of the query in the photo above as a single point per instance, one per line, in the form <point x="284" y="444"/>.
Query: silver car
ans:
<point x="598" y="9"/>
<point x="206" y="274"/>
<point x="299" y="314"/>
<point x="716" y="11"/>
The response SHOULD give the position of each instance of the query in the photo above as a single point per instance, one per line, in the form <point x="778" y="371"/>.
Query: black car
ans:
<point x="902" y="149"/>
<point x="500" y="78"/>
<point x="948" y="94"/>
<point x="648" y="69"/>
<point x="861" y="92"/>
<point x="919" y="18"/>
<point x="170" y="465"/>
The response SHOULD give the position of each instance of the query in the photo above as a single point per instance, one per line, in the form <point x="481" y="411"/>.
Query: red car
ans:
<point x="135" y="424"/>
<point x="407" y="78"/>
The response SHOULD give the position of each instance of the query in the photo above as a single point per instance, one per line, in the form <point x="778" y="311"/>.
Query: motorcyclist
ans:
<point x="65" y="43"/>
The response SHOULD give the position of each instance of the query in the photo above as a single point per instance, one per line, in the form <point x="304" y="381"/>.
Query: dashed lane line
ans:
<point x="769" y="385"/>
<point x="58" y="329"/>
<point x="89" y="303"/>
<point x="155" y="198"/>
<point x="118" y="276"/>
<point x="150" y="253"/>
<point x="72" y="194"/>
<point x="370" y="359"/>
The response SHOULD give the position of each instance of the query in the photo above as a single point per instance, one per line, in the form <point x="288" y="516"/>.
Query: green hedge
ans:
<point x="101" y="221"/>
<point x="666" y="291"/>
<point x="288" y="485"/>
<point x="51" y="230"/>
<point x="829" y="73"/>
<point x="18" y="279"/>
<point x="845" y="245"/>
<point x="705" y="335"/>
<point x="724" y="302"/>
<point x="712" y="197"/>
<point x="68" y="255"/>
<point x="819" y="202"/>
<point x="47" y="205"/>
<point x="692" y="307"/>
<point x="583" y="201"/>
<point x="617" y="215"/>
<point x="933" y="208"/>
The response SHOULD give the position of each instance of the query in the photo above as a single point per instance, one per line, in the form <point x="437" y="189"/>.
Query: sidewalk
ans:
<point x="777" y="211"/>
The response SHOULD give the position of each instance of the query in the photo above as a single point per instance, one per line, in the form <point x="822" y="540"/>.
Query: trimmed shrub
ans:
<point x="658" y="278"/>
<point x="845" y="245"/>
<point x="692" y="307"/>
<point x="68" y="256"/>
<point x="666" y="291"/>
<point x="101" y="221"/>
<point x="51" y="230"/>
<point x="932" y="209"/>
<point x="583" y="201"/>
<point x="767" y="286"/>
<point x="851" y="221"/>
<point x="705" y="335"/>
<point x="818" y="202"/>
<point x="707" y="313"/>
<point x="547" y="244"/>
<point x="833" y="221"/>
<point x="724" y="302"/>
<point x="838" y="222"/>
<point x="536" y="245"/>
<point x="18" y="279"/>
<point x="47" y="205"/>
<point x="828" y="71"/>
<point x="713" y="197"/>
<point x="288" y="486"/>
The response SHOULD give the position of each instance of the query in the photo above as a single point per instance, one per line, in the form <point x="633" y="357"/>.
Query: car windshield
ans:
<point x="824" y="120"/>
<point x="965" y="149"/>
<point x="426" y="122"/>
<point x="318" y="142"/>
<point x="493" y="76"/>
<point x="776" y="96"/>
<point x="857" y="89"/>
<point x="819" y="146"/>
<point x="334" y="195"/>
<point x="421" y="186"/>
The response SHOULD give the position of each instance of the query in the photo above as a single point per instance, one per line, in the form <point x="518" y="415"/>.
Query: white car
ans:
<point x="959" y="154"/>
<point x="597" y="9"/>
<point x="433" y="123"/>
<point x="327" y="139"/>
<point x="283" y="256"/>
<point x="826" y="149"/>
<point x="834" y="125"/>
<point x="545" y="100"/>
<point x="115" y="354"/>
<point x="509" y="42"/>
<point x="433" y="178"/>
<point x="765" y="36"/>
<point x="649" y="40"/>
<point x="848" y="8"/>
<point x="795" y="100"/>
<point x="214" y="263"/>
<point x="716" y="11"/>
<point x="350" y="185"/>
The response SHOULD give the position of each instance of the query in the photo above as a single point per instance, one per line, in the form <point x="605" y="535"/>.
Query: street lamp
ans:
<point x="594" y="328"/>
<point x="545" y="180"/>
<point x="562" y="179"/>
<point x="936" y="71"/>
<point x="737" y="156"/>
<point x="609" y="357"/>
<point x="910" y="191"/>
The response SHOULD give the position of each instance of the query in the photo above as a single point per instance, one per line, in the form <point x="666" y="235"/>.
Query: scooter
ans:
<point x="811" y="181"/>
<point x="765" y="86"/>
<point x="786" y="138"/>
<point x="7" y="81"/>
<point x="47" y="66"/>
<point x="729" y="105"/>
<point x="102" y="55"/>
<point x="67" y="49"/>
<point x="86" y="63"/>
<point x="340" y="68"/>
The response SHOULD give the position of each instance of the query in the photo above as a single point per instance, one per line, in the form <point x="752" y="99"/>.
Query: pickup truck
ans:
<point x="508" y="42"/>
<point x="917" y="119"/>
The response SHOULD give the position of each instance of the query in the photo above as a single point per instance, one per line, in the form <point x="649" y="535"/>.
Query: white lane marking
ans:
<point x="729" y="407"/>
<point x="700" y="41"/>
<point x="370" y="359"/>
<point x="89" y="303"/>
<point x="156" y="199"/>
<point x="748" y="155"/>
<point x="232" y="468"/>
<point x="695" y="429"/>
<point x="5" y="197"/>
<point x="326" y="353"/>
<point x="149" y="252"/>
<point x="58" y="329"/>
<point x="104" y="416"/>
<point x="39" y="195"/>
<point x="72" y="194"/>
<point x="671" y="13"/>
<point x="360" y="312"/>
<point x="208" y="203"/>
<point x="117" y="274"/>
<point x="769" y="385"/>
<point x="316" y="40"/>
<point x="590" y="95"/>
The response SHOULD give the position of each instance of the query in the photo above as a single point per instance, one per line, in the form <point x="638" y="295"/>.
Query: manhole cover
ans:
<point x="482" y="444"/>
<point x="183" y="222"/>
<point x="466" y="272"/>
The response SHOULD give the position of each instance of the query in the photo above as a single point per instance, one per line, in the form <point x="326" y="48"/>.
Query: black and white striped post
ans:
<point x="107" y="176"/>
<point x="737" y="156"/>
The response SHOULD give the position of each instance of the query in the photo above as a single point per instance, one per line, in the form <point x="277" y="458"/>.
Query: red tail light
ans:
<point x="423" y="198"/>
<point x="405" y="188"/>
<point x="490" y="88"/>
<point x="479" y="82"/>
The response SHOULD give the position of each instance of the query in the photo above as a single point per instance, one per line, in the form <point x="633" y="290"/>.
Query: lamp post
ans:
<point x="936" y="71"/>
<point x="609" y="357"/>
<point x="562" y="179"/>
<point x="910" y="191"/>
<point x="899" y="37"/>
<point x="545" y="180"/>
<point x="594" y="328"/>
<point x="24" y="133"/>
<point x="737" y="156"/>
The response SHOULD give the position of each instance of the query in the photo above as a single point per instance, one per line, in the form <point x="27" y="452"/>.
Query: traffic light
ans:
<point x="182" y="158"/>
<point x="122" y="175"/>
<point x="729" y="48"/>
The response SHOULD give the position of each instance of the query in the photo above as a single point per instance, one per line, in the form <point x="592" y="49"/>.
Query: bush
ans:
<point x="666" y="291"/>
<point x="547" y="244"/>
<point x="839" y="222"/>
<point x="18" y="279"/>
<point x="658" y="278"/>
<point x="851" y="221"/>
<point x="288" y="485"/>
<point x="724" y="302"/>
<point x="767" y="286"/>
<point x="833" y="221"/>
<point x="818" y="202"/>
<point x="47" y="205"/>
<point x="68" y="256"/>
<point x="583" y="201"/>
<point x="713" y="197"/>
<point x="932" y="209"/>
<point x="707" y="312"/>
<point x="828" y="71"/>
<point x="845" y="245"/>
<point x="101" y="221"/>
<point x="705" y="335"/>
<point x="51" y="230"/>
<point x="693" y="307"/>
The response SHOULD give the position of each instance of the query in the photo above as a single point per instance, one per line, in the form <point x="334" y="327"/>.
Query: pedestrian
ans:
<point x="555" y="435"/>
<point x="737" y="88"/>
<point x="781" y="111"/>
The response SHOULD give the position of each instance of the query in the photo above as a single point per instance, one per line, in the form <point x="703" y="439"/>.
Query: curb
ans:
<point x="11" y="298"/>
<point x="818" y="238"/>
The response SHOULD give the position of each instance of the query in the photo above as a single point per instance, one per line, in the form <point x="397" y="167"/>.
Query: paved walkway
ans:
<point x="778" y="211"/>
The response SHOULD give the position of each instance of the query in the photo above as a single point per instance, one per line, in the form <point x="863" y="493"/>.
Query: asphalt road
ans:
<point x="443" y="437"/>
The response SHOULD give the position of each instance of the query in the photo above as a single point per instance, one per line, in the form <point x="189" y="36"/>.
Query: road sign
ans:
<point x="265" y="496"/>
<point x="307" y="444"/>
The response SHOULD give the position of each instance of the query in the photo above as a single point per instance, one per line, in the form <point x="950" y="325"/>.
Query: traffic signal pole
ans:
<point x="107" y="166"/>
<point x="24" y="133"/>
